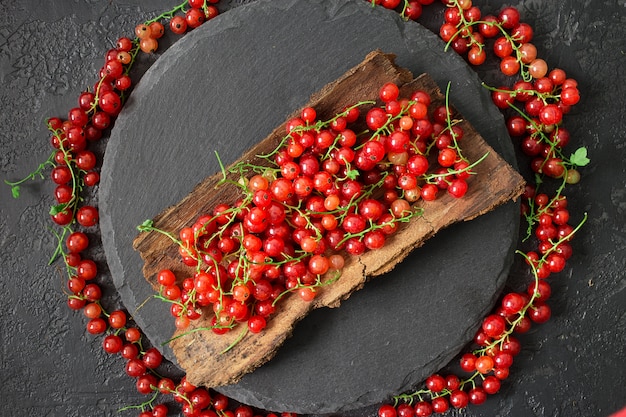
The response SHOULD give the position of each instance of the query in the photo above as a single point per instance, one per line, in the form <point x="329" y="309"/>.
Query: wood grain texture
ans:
<point x="200" y="353"/>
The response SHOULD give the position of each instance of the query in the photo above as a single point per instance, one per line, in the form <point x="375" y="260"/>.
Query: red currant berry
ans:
<point x="135" y="368"/>
<point x="112" y="344"/>
<point x="194" y="18"/>
<point x="512" y="303"/>
<point x="435" y="383"/>
<point x="423" y="409"/>
<point x="457" y="188"/>
<point x="178" y="25"/>
<point x="440" y="405"/>
<point x="376" y="118"/>
<point x="468" y="362"/>
<point x="256" y="324"/>
<point x="152" y="358"/>
<point x="509" y="17"/>
<point x="539" y="312"/>
<point x="484" y="364"/>
<point x="477" y="395"/>
<point x="387" y="411"/>
<point x="389" y="92"/>
<point x="110" y="102"/>
<point x="550" y="114"/>
<point x="145" y="384"/>
<point x="87" y="216"/>
<point x="76" y="242"/>
<point x="96" y="326"/>
<point x="494" y="325"/>
<point x="459" y="399"/>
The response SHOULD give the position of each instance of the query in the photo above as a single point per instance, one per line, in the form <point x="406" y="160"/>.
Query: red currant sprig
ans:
<point x="540" y="100"/>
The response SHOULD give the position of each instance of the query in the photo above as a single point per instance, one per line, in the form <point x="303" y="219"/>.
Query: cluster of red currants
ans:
<point x="324" y="192"/>
<point x="534" y="105"/>
<point x="497" y="344"/>
<point x="74" y="167"/>
<point x="540" y="97"/>
<point x="194" y="14"/>
<point x="408" y="9"/>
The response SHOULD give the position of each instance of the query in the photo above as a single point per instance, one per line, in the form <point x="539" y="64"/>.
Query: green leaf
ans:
<point x="146" y="225"/>
<point x="579" y="158"/>
<point x="54" y="210"/>
<point x="352" y="174"/>
<point x="15" y="191"/>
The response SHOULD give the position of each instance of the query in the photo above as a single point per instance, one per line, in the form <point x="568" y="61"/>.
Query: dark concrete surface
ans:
<point x="50" y="51"/>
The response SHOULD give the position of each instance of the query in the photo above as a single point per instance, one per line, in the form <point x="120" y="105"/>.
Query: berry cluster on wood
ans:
<point x="325" y="192"/>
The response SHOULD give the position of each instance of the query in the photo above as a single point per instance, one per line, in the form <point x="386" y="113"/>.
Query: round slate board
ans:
<point x="224" y="87"/>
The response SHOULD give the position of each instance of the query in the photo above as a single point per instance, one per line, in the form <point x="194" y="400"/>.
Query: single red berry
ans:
<point x="440" y="405"/>
<point x="135" y="368"/>
<point x="484" y="364"/>
<point x="503" y="359"/>
<point x="491" y="384"/>
<point x="87" y="216"/>
<point x="96" y="326"/>
<point x="509" y="17"/>
<point x="117" y="319"/>
<point x="435" y="383"/>
<point x="457" y="188"/>
<point x="459" y="399"/>
<point x="512" y="303"/>
<point x="447" y="157"/>
<point x="405" y="410"/>
<point x="494" y="325"/>
<point x="389" y="92"/>
<point x="413" y="10"/>
<point x="468" y="362"/>
<point x="132" y="334"/>
<point x="77" y="242"/>
<point x="86" y="269"/>
<point x="387" y="411"/>
<point x="145" y="384"/>
<point x="112" y="344"/>
<point x="78" y="117"/>
<point x="423" y="409"/>
<point x="376" y="118"/>
<point x="110" y="102"/>
<point x="159" y="410"/>
<point x="178" y="25"/>
<point x="194" y="18"/>
<point x="550" y="114"/>
<point x="477" y="395"/>
<point x="539" y="312"/>
<point x="256" y="324"/>
<point x="152" y="358"/>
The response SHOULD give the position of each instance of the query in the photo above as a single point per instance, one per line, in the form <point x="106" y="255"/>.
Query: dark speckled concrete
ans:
<point x="571" y="366"/>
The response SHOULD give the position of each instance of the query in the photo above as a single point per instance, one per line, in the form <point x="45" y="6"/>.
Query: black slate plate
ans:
<point x="225" y="86"/>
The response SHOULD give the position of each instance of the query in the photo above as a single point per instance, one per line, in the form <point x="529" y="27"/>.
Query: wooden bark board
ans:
<point x="199" y="353"/>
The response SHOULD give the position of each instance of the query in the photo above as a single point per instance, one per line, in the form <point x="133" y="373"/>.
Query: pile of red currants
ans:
<point x="325" y="192"/>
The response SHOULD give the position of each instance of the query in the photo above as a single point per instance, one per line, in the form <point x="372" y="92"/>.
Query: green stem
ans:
<point x="239" y="338"/>
<point x="38" y="172"/>
<point x="143" y="405"/>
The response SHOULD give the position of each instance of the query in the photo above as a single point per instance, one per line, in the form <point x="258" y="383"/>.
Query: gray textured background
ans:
<point x="49" y="51"/>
